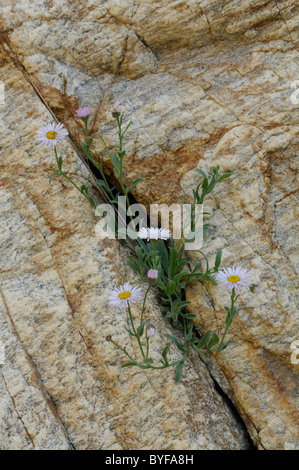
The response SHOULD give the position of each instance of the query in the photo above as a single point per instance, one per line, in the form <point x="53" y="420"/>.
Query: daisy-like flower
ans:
<point x="51" y="134"/>
<point x="154" y="233"/>
<point x="115" y="109"/>
<point x="233" y="278"/>
<point x="82" y="112"/>
<point x="125" y="295"/>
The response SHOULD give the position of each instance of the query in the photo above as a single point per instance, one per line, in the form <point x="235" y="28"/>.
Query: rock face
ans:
<point x="62" y="385"/>
<point x="204" y="84"/>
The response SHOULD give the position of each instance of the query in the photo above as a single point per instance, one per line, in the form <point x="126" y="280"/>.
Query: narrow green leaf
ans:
<point x="164" y="353"/>
<point x="175" y="341"/>
<point x="202" y="173"/>
<point x="173" y="262"/>
<point x="214" y="340"/>
<point x="59" y="163"/>
<point x="179" y="371"/>
<point x="226" y="175"/>
<point x="133" y="266"/>
<point x="204" y="340"/>
<point x="228" y="319"/>
<point x="179" y="304"/>
<point x="53" y="176"/>
<point x="170" y="288"/>
<point x="205" y="183"/>
<point x="197" y="267"/>
<point x="210" y="278"/>
<point x="163" y="252"/>
<point x="189" y="316"/>
<point x="102" y="183"/>
<point x="230" y="341"/>
<point x="121" y="154"/>
<point x="218" y="259"/>
<point x="116" y="162"/>
<point x="140" y="330"/>
<point x="135" y="184"/>
<point x="149" y="360"/>
<point x="130" y="332"/>
<point x="188" y="336"/>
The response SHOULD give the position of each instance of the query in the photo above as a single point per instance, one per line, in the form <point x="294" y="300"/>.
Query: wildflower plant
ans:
<point x="143" y="332"/>
<point x="156" y="255"/>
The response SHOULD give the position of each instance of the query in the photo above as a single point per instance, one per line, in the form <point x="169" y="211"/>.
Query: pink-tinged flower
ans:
<point x="116" y="108"/>
<point x="51" y="134"/>
<point x="154" y="233"/>
<point x="125" y="295"/>
<point x="151" y="331"/>
<point x="233" y="278"/>
<point x="152" y="274"/>
<point x="82" y="112"/>
<point x="255" y="289"/>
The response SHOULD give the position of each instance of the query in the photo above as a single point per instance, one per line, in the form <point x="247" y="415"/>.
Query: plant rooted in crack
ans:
<point x="165" y="266"/>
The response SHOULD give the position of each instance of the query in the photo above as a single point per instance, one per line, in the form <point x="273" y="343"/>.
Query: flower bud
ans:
<point x="151" y="331"/>
<point x="88" y="140"/>
<point x="255" y="289"/>
<point x="152" y="274"/>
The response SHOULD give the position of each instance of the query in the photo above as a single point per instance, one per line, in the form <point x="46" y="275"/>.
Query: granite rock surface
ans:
<point x="62" y="385"/>
<point x="204" y="83"/>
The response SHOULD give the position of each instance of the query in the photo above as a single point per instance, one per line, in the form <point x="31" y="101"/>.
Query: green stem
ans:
<point x="222" y="339"/>
<point x="99" y="166"/>
<point x="147" y="344"/>
<point x="56" y="156"/>
<point x="120" y="154"/>
<point x="86" y="126"/>
<point x="144" y="302"/>
<point x="72" y="182"/>
<point x="135" y="332"/>
<point x="233" y="299"/>
<point x="154" y="242"/>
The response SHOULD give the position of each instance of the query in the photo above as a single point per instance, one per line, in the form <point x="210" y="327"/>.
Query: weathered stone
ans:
<point x="204" y="84"/>
<point x="62" y="385"/>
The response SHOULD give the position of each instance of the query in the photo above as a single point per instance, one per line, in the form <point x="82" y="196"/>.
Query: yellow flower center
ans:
<point x="51" y="135"/>
<point x="233" y="278"/>
<point x="124" y="295"/>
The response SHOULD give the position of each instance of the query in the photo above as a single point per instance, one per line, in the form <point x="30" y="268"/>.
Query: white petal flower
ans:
<point x="125" y="295"/>
<point x="116" y="108"/>
<point x="233" y="278"/>
<point x="154" y="233"/>
<point x="164" y="233"/>
<point x="51" y="134"/>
